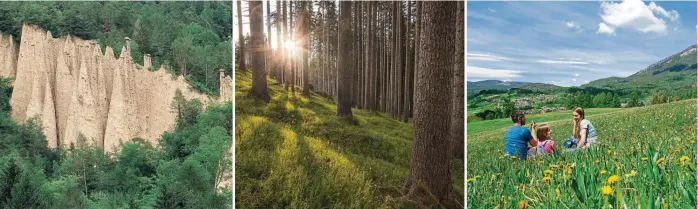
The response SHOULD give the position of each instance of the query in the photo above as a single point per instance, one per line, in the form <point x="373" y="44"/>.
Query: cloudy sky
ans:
<point x="572" y="43"/>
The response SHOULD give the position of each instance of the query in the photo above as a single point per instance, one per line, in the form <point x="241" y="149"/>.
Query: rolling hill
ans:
<point x="676" y="72"/>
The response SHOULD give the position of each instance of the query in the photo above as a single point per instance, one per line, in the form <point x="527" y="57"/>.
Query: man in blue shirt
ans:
<point x="518" y="137"/>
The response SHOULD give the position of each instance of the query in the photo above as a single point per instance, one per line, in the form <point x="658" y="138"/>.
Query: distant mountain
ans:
<point x="676" y="72"/>
<point x="475" y="87"/>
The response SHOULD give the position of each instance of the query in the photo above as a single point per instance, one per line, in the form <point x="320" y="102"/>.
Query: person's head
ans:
<point x="518" y="117"/>
<point x="544" y="132"/>
<point x="578" y="114"/>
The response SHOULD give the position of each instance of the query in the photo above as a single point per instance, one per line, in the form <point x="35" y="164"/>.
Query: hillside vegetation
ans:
<point x="295" y="152"/>
<point x="189" y="38"/>
<point x="190" y="168"/>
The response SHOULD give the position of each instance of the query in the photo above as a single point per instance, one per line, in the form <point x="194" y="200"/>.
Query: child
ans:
<point x="546" y="145"/>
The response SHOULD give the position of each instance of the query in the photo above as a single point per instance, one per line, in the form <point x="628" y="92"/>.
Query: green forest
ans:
<point x="190" y="165"/>
<point x="184" y="171"/>
<point x="187" y="38"/>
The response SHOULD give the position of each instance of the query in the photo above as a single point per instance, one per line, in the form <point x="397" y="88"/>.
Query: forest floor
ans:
<point x="295" y="152"/>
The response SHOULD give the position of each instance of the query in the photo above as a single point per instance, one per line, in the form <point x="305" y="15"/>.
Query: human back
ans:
<point x="517" y="138"/>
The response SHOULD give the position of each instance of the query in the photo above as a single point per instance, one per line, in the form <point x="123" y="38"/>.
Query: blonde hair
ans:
<point x="577" y="123"/>
<point x="542" y="131"/>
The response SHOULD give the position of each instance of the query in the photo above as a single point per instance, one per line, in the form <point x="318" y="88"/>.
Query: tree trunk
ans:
<point x="355" y="60"/>
<point x="417" y="35"/>
<point x="344" y="55"/>
<point x="292" y="57"/>
<point x="457" y="120"/>
<point x="269" y="53"/>
<point x="393" y="53"/>
<point x="259" y="82"/>
<point x="279" y="47"/>
<point x="285" y="50"/>
<point x="430" y="174"/>
<point x="241" y="41"/>
<point x="408" y="67"/>
<point x="305" y="21"/>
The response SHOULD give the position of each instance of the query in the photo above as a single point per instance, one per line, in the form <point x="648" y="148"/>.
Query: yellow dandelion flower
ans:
<point x="608" y="152"/>
<point x="523" y="204"/>
<point x="554" y="166"/>
<point x="548" y="172"/>
<point x="603" y="172"/>
<point x="660" y="161"/>
<point x="514" y="157"/>
<point x="644" y="159"/>
<point x="632" y="173"/>
<point x="606" y="190"/>
<point x="546" y="178"/>
<point x="685" y="159"/>
<point x="613" y="179"/>
<point x="596" y="161"/>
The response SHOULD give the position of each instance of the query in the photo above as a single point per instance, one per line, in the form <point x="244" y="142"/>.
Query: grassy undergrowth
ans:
<point x="295" y="152"/>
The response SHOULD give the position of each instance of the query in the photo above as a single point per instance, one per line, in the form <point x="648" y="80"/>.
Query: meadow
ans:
<point x="646" y="159"/>
<point x="295" y="152"/>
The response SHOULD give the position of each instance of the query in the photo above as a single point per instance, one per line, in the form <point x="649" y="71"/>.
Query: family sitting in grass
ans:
<point x="518" y="138"/>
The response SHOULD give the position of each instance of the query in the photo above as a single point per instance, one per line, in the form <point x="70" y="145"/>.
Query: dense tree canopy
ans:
<point x="190" y="38"/>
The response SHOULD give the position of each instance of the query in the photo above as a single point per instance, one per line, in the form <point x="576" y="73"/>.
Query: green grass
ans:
<point x="490" y="125"/>
<point x="642" y="146"/>
<point x="294" y="152"/>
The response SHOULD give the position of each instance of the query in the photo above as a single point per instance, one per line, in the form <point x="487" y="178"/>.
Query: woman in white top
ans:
<point x="583" y="131"/>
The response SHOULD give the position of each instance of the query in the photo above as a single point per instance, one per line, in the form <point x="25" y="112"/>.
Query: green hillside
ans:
<point x="648" y="150"/>
<point x="675" y="73"/>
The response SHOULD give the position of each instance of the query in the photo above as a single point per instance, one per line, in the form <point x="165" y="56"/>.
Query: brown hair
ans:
<point x="542" y="131"/>
<point x="577" y="123"/>
<point x="516" y="116"/>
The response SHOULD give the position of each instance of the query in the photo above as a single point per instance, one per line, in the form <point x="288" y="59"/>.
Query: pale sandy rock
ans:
<point x="225" y="91"/>
<point x="48" y="117"/>
<point x="75" y="89"/>
<point x="8" y="56"/>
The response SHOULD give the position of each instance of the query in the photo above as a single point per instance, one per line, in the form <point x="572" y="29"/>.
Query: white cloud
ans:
<point x="586" y="81"/>
<point x="603" y="28"/>
<point x="562" y="62"/>
<point x="634" y="15"/>
<point x="487" y="57"/>
<point x="492" y="10"/>
<point x="572" y="25"/>
<point x="576" y="74"/>
<point x="574" y="79"/>
<point x="673" y="15"/>
<point x="480" y="72"/>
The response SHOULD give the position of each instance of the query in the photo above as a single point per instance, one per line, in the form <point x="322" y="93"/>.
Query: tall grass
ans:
<point x="642" y="147"/>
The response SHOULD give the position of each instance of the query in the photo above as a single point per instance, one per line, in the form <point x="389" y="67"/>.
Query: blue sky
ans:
<point x="572" y="43"/>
